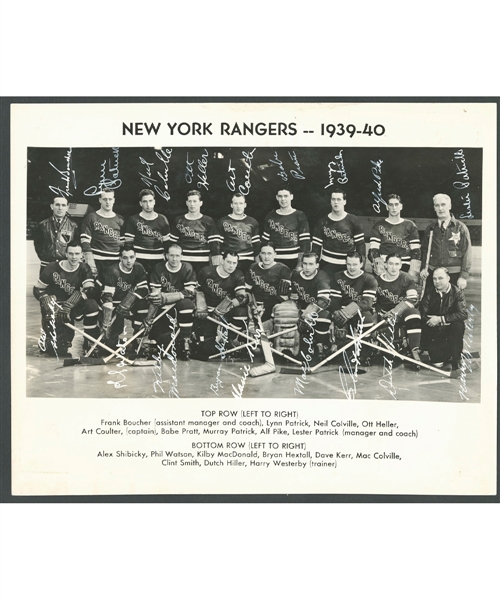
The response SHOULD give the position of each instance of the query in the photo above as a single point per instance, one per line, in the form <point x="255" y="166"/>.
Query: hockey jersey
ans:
<point x="60" y="283"/>
<point x="346" y="289"/>
<point x="400" y="238"/>
<point x="102" y="236"/>
<point x="391" y="293"/>
<point x="118" y="282"/>
<point x="309" y="289"/>
<point x="215" y="287"/>
<point x="332" y="240"/>
<point x="264" y="283"/>
<point x="238" y="235"/>
<point x="149" y="236"/>
<point x="289" y="234"/>
<point x="192" y="237"/>
<point x="173" y="281"/>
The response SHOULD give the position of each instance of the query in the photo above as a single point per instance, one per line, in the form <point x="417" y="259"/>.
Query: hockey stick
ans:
<point x="251" y="339"/>
<point x="427" y="264"/>
<point x="92" y="339"/>
<point x="268" y="366"/>
<point x="269" y="337"/>
<point x="387" y="348"/>
<point x="293" y="371"/>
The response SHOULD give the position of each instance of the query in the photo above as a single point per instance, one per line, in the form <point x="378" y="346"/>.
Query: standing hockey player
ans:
<point x="173" y="282"/>
<point x="396" y="298"/>
<point x="191" y="232"/>
<point x="125" y="290"/>
<point x="337" y="234"/>
<point x="353" y="296"/>
<point x="66" y="292"/>
<point x="53" y="235"/>
<point x="312" y="286"/>
<point x="288" y="229"/>
<point x="236" y="232"/>
<point x="148" y="231"/>
<point x="395" y="235"/>
<point x="102" y="235"/>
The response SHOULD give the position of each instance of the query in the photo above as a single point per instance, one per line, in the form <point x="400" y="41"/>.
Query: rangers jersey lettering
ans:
<point x="400" y="238"/>
<point x="102" y="236"/>
<point x="332" y="240"/>
<point x="391" y="293"/>
<point x="216" y="287"/>
<point x="60" y="283"/>
<point x="263" y="282"/>
<point x="118" y="282"/>
<point x="173" y="281"/>
<point x="149" y="236"/>
<point x="192" y="237"/>
<point x="289" y="233"/>
<point x="310" y="289"/>
<point x="238" y="235"/>
<point x="346" y="289"/>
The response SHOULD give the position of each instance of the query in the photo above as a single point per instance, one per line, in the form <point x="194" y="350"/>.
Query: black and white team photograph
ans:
<point x="230" y="272"/>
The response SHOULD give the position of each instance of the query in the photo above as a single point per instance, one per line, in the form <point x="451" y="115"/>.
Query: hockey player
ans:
<point x="312" y="286"/>
<point x="191" y="232"/>
<point x="102" y="235"/>
<point x="236" y="232"/>
<point x="268" y="281"/>
<point x="396" y="299"/>
<point x="444" y="313"/>
<point x="222" y="295"/>
<point x="395" y="235"/>
<point x="66" y="292"/>
<point x="450" y="247"/>
<point x="337" y="234"/>
<point x="288" y="229"/>
<point x="125" y="290"/>
<point x="353" y="296"/>
<point x="173" y="282"/>
<point x="53" y="235"/>
<point x="148" y="231"/>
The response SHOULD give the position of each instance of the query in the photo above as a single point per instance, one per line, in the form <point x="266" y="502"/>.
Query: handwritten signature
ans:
<point x="202" y="171"/>
<point x="67" y="176"/>
<point x="335" y="168"/>
<point x="466" y="362"/>
<point x="111" y="181"/>
<point x="121" y="350"/>
<point x="147" y="178"/>
<point x="377" y="179"/>
<point x="387" y="371"/>
<point x="164" y="156"/>
<point x="350" y="392"/>
<point x="311" y="320"/>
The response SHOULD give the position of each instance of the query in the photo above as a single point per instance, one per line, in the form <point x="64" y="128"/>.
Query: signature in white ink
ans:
<point x="335" y="169"/>
<point x="248" y="156"/>
<point x="238" y="390"/>
<point x="67" y="176"/>
<point x="202" y="171"/>
<point x="104" y="181"/>
<point x="164" y="156"/>
<point x="282" y="174"/>
<point x="466" y="362"/>
<point x="461" y="167"/>
<point x="231" y="184"/>
<point x="377" y="179"/>
<point x="189" y="173"/>
<point x="147" y="178"/>
<point x="214" y="387"/>
<point x="350" y="392"/>
<point x="311" y="320"/>
<point x="296" y="173"/>
<point x="387" y="372"/>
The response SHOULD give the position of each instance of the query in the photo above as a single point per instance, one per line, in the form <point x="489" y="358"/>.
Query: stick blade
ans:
<point x="260" y="370"/>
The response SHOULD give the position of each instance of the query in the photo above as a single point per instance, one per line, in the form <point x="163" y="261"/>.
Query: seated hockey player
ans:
<point x="444" y="313"/>
<point x="125" y="290"/>
<point x="66" y="291"/>
<point x="221" y="294"/>
<point x="396" y="299"/>
<point x="268" y="281"/>
<point x="353" y="296"/>
<point x="173" y="283"/>
<point x="312" y="288"/>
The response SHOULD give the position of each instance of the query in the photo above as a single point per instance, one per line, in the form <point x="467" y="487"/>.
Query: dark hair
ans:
<point x="238" y="195"/>
<point x="146" y="192"/>
<point x="127" y="247"/>
<point x="391" y="196"/>
<point x="194" y="193"/>
<point x="393" y="255"/>
<point x="284" y="188"/>
<point x="338" y="190"/>
<point x="311" y="255"/>
<point x="355" y="254"/>
<point x="108" y="191"/>
<point x="271" y="244"/>
<point x="74" y="244"/>
<point x="230" y="253"/>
